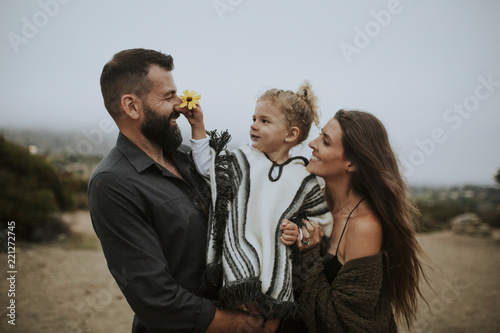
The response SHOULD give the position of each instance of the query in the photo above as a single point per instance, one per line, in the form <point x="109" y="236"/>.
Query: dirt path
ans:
<point x="66" y="287"/>
<point x="465" y="277"/>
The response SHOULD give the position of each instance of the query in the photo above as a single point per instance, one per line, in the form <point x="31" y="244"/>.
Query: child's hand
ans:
<point x="290" y="232"/>
<point x="194" y="116"/>
<point x="195" y="119"/>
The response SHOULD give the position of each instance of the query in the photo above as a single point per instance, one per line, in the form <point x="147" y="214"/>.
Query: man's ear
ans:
<point x="131" y="106"/>
<point x="293" y="134"/>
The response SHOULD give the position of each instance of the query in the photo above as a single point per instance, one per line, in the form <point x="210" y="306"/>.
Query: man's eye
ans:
<point x="326" y="143"/>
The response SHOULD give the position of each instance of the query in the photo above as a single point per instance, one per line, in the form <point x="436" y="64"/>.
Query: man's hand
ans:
<point x="226" y="321"/>
<point x="195" y="119"/>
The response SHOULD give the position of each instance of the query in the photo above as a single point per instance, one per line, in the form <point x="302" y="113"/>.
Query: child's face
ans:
<point x="269" y="128"/>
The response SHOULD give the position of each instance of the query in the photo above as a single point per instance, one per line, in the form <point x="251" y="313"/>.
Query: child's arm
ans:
<point x="195" y="119"/>
<point x="199" y="141"/>
<point x="201" y="155"/>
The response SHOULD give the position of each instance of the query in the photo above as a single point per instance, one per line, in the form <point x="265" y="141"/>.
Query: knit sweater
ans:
<point x="356" y="300"/>
<point x="246" y="260"/>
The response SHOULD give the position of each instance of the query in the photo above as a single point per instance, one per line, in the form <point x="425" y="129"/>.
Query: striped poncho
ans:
<point x="246" y="260"/>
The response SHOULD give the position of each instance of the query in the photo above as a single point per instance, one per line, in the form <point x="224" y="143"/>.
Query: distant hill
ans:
<point x="83" y="142"/>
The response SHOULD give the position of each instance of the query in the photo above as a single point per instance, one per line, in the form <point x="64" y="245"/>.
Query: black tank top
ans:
<point x="333" y="265"/>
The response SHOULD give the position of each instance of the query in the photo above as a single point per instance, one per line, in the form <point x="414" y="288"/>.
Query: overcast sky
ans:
<point x="430" y="70"/>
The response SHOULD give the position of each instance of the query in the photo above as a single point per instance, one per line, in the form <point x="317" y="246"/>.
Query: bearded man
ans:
<point x="146" y="207"/>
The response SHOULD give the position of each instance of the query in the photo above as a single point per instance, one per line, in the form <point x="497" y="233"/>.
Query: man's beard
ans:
<point x="158" y="129"/>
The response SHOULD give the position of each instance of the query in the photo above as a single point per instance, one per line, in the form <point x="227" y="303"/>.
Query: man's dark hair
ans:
<point x="127" y="73"/>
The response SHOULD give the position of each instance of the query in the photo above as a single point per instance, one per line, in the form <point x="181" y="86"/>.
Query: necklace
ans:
<point x="347" y="205"/>
<point x="345" y="225"/>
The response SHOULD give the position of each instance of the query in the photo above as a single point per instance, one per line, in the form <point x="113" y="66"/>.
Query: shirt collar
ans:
<point x="135" y="155"/>
<point x="141" y="161"/>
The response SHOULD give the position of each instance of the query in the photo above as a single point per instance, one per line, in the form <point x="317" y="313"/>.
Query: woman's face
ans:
<point x="327" y="160"/>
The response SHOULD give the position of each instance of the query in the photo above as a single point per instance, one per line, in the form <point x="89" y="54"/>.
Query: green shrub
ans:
<point x="491" y="217"/>
<point x="76" y="192"/>
<point x="30" y="193"/>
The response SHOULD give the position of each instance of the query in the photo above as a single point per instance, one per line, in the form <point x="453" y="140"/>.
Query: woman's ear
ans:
<point x="293" y="135"/>
<point x="131" y="106"/>
<point x="351" y="167"/>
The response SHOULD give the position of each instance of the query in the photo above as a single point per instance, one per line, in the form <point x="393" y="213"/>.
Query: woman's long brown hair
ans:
<point x="366" y="145"/>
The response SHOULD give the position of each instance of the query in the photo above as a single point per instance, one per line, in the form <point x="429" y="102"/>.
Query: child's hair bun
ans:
<point x="306" y="93"/>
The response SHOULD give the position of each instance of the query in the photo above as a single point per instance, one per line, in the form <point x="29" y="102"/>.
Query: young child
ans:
<point x="253" y="190"/>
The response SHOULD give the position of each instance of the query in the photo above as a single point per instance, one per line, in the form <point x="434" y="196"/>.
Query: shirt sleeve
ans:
<point x="201" y="155"/>
<point x="135" y="259"/>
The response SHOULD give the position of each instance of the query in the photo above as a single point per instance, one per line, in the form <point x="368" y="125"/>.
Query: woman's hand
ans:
<point x="290" y="233"/>
<point x="311" y="235"/>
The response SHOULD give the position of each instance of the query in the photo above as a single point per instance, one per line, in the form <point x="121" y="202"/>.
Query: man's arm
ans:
<point x="134" y="255"/>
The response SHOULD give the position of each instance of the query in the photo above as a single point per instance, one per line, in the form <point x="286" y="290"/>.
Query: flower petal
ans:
<point x="183" y="104"/>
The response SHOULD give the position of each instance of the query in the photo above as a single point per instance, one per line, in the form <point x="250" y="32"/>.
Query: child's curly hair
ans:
<point x="300" y="108"/>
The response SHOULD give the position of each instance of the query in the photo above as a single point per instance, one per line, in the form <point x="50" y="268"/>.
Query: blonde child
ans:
<point x="255" y="188"/>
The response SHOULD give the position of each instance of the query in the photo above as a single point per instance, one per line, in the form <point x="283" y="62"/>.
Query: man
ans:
<point x="146" y="207"/>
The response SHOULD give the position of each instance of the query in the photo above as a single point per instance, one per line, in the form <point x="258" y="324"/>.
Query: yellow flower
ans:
<point x="190" y="98"/>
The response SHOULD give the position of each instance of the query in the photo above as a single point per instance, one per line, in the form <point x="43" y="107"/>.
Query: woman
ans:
<point x="371" y="267"/>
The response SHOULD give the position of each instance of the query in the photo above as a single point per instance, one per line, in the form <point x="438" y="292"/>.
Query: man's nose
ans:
<point x="178" y="99"/>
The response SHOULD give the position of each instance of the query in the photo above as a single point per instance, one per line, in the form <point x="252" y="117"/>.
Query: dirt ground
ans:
<point x="66" y="287"/>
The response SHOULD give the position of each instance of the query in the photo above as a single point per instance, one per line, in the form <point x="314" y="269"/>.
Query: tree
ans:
<point x="497" y="177"/>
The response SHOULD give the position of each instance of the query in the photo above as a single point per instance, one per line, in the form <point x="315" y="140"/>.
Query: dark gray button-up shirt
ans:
<point x="153" y="232"/>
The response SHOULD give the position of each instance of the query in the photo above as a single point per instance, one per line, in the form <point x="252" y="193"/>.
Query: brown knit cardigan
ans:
<point x="356" y="301"/>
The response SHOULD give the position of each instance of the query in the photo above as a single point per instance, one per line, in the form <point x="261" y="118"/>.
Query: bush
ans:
<point x="490" y="217"/>
<point x="31" y="193"/>
<point x="76" y="191"/>
<point x="437" y="216"/>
